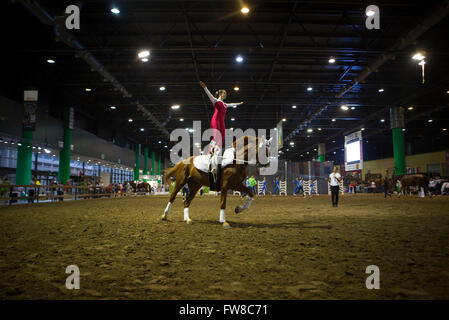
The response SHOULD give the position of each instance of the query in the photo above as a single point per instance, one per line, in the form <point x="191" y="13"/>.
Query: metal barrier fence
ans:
<point x="10" y="194"/>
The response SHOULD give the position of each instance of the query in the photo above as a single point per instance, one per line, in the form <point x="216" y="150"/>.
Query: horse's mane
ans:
<point x="247" y="141"/>
<point x="243" y="144"/>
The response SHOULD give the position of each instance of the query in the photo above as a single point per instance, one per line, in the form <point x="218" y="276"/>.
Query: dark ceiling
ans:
<point x="285" y="44"/>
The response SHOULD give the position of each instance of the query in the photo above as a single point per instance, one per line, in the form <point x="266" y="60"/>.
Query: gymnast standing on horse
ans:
<point x="218" y="123"/>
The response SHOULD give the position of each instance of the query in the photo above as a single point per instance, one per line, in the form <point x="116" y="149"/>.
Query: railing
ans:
<point x="36" y="193"/>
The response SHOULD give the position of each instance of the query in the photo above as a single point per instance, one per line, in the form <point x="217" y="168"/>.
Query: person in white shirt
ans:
<point x="334" y="179"/>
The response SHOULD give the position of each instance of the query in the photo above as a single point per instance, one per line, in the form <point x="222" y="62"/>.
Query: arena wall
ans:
<point x="424" y="162"/>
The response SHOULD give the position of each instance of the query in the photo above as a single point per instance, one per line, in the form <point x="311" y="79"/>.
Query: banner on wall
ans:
<point x="353" y="151"/>
<point x="30" y="106"/>
<point x="280" y="134"/>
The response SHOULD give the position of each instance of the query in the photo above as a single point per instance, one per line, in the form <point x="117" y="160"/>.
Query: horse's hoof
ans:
<point x="237" y="210"/>
<point x="189" y="221"/>
<point x="164" y="217"/>
<point x="226" y="225"/>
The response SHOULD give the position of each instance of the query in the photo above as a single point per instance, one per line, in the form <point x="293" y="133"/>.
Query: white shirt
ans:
<point x="334" y="177"/>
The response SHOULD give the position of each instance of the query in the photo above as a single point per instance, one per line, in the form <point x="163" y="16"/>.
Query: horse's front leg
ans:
<point x="249" y="191"/>
<point x="224" y="194"/>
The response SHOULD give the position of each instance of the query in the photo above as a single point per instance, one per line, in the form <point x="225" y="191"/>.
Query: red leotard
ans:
<point x="218" y="122"/>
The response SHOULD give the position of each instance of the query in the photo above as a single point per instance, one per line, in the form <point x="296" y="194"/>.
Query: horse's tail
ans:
<point x="171" y="172"/>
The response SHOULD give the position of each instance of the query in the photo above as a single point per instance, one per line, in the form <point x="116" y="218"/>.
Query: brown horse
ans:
<point x="414" y="180"/>
<point x="233" y="176"/>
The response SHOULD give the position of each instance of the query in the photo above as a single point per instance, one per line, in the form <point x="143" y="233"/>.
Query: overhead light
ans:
<point x="382" y="120"/>
<point x="314" y="149"/>
<point x="142" y="129"/>
<point x="51" y="61"/>
<point x="49" y="151"/>
<point x="418" y="56"/>
<point x="175" y="106"/>
<point x="333" y="120"/>
<point x="165" y="146"/>
<point x="403" y="129"/>
<point x="159" y="142"/>
<point x="181" y="119"/>
<point x="113" y="107"/>
<point x="381" y="90"/>
<point x="344" y="107"/>
<point x="144" y="59"/>
<point x="319" y="129"/>
<point x="444" y="129"/>
<point x="292" y="143"/>
<point x="310" y="130"/>
<point x="162" y="88"/>
<point x="335" y="152"/>
<point x="239" y="59"/>
<point x="130" y="120"/>
<point x="293" y="107"/>
<point x="309" y="89"/>
<point x="447" y="91"/>
<point x="115" y="10"/>
<point x="88" y="89"/>
<point x="284" y="119"/>
<point x="331" y="60"/>
<point x="307" y="152"/>
<point x="232" y="119"/>
<point x="236" y="88"/>
<point x="143" y="54"/>
<point x="19" y="144"/>
<point x="430" y="120"/>
<point x="244" y="10"/>
<point x="370" y="13"/>
<point x="363" y="129"/>
<point x="410" y="108"/>
<point x="39" y="148"/>
<point x="422" y="62"/>
<point x="352" y="108"/>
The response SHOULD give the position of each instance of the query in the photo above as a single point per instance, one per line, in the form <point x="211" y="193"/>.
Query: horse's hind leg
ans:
<point x="180" y="182"/>
<point x="193" y="189"/>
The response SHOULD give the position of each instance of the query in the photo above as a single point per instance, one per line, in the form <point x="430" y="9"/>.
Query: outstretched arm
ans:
<point x="211" y="97"/>
<point x="234" y="104"/>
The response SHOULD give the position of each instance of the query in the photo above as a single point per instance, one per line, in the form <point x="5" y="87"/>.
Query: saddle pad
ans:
<point x="202" y="162"/>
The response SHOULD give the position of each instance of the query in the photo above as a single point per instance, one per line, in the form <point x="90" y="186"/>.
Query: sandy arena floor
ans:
<point x="281" y="248"/>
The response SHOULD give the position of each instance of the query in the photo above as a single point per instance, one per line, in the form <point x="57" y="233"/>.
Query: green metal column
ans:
<point x="153" y="163"/>
<point x="397" y="124"/>
<point x="321" y="152"/>
<point x="159" y="165"/>
<point x="64" y="154"/>
<point x="24" y="159"/>
<point x="145" y="170"/>
<point x="137" y="167"/>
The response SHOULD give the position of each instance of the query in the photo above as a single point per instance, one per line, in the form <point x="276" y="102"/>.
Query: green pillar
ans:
<point x="153" y="163"/>
<point x="321" y="152"/>
<point x="25" y="150"/>
<point x="64" y="154"/>
<point x="137" y="167"/>
<point x="159" y="165"/>
<point x="145" y="170"/>
<point x="24" y="159"/>
<point x="397" y="124"/>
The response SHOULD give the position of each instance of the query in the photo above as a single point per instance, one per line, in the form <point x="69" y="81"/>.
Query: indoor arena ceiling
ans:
<point x="285" y="46"/>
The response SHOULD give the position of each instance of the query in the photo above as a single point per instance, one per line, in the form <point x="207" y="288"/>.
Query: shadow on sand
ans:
<point x="283" y="225"/>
